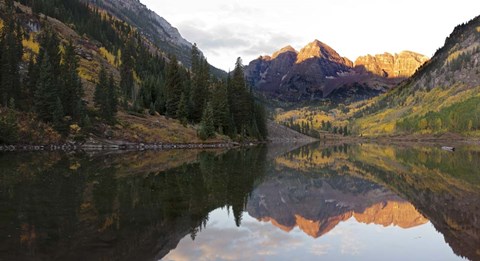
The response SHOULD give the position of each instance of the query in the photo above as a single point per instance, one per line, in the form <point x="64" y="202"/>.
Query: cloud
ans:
<point x="217" y="37"/>
<point x="222" y="43"/>
<point x="320" y="250"/>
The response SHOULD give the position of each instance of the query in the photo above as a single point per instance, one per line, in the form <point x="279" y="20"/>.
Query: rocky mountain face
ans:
<point x="403" y="64"/>
<point x="154" y="27"/>
<point x="287" y="202"/>
<point x="318" y="72"/>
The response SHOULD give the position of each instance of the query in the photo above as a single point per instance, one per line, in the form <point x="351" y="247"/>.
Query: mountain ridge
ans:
<point x="317" y="72"/>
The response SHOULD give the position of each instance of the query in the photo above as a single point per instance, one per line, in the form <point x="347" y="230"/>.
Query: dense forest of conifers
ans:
<point x="149" y="82"/>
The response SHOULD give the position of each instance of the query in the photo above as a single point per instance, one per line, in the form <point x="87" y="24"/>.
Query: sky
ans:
<point x="227" y="29"/>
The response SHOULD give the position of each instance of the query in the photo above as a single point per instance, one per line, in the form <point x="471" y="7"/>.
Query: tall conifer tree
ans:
<point x="173" y="87"/>
<point x="10" y="57"/>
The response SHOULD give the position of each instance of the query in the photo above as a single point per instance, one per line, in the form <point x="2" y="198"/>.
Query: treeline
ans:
<point x="302" y="127"/>
<point x="308" y="129"/>
<point x="85" y="19"/>
<point x="460" y="117"/>
<point x="150" y="83"/>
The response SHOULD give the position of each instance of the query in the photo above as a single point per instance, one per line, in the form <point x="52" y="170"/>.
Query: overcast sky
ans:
<point x="227" y="29"/>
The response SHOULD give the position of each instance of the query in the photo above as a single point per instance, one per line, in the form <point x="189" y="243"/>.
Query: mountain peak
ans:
<point x="285" y="49"/>
<point x="403" y="64"/>
<point x="318" y="49"/>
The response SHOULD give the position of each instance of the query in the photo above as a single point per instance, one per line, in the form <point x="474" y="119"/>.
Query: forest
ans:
<point x="48" y="85"/>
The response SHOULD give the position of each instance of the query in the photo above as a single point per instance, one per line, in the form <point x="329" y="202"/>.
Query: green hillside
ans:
<point x="85" y="73"/>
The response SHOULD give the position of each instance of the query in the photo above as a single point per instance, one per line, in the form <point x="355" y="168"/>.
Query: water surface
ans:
<point x="346" y="202"/>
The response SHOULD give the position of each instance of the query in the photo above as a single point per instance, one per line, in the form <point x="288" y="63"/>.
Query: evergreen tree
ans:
<point x="182" y="110"/>
<point x="173" y="87"/>
<point x="47" y="87"/>
<point x="49" y="45"/>
<point x="239" y="99"/>
<point x="45" y="90"/>
<point x="151" y="92"/>
<point x="30" y="83"/>
<point x="57" y="116"/>
<point x="261" y="121"/>
<point x="112" y="98"/>
<point x="127" y="84"/>
<point x="10" y="57"/>
<point x="221" y="110"/>
<point x="200" y="80"/>
<point x="105" y="97"/>
<point x="72" y="85"/>
<point x="207" y="127"/>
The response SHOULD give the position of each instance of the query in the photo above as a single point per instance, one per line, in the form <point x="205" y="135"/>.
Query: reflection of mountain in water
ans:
<point x="444" y="187"/>
<point x="140" y="205"/>
<point x="317" y="204"/>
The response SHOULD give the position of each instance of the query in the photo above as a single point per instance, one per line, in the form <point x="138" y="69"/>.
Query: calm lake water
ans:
<point x="344" y="202"/>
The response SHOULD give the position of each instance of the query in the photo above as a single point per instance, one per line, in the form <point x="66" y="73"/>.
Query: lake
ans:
<point x="275" y="202"/>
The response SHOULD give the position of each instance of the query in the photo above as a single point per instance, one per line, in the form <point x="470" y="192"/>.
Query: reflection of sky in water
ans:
<point x="350" y="240"/>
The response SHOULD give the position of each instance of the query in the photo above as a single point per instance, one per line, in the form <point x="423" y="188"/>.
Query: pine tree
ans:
<point x="173" y="87"/>
<point x="127" y="84"/>
<point x="10" y="58"/>
<point x="261" y="121"/>
<point x="72" y="85"/>
<point x="45" y="90"/>
<point x="207" y="127"/>
<point x="239" y="99"/>
<point x="29" y="85"/>
<point x="105" y="97"/>
<point x="182" y="113"/>
<point x="49" y="45"/>
<point x="112" y="98"/>
<point x="200" y="80"/>
<point x="57" y="116"/>
<point x="47" y="87"/>
<point x="221" y="110"/>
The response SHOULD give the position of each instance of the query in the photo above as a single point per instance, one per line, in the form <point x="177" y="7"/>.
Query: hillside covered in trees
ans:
<point x="79" y="72"/>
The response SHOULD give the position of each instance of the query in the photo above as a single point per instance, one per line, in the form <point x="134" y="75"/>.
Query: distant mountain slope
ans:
<point x="442" y="96"/>
<point x="154" y="27"/>
<point x="317" y="72"/>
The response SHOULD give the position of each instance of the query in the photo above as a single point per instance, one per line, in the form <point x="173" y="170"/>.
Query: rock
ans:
<point x="291" y="76"/>
<point x="400" y="65"/>
<point x="317" y="72"/>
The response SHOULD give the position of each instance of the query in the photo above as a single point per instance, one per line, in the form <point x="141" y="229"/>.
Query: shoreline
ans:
<point x="121" y="145"/>
<point x="127" y="146"/>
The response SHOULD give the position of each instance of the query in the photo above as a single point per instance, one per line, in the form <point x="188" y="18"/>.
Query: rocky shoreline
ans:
<point x="71" y="146"/>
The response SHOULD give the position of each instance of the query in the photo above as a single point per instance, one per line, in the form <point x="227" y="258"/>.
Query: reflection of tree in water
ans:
<point x="308" y="152"/>
<point x="91" y="211"/>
